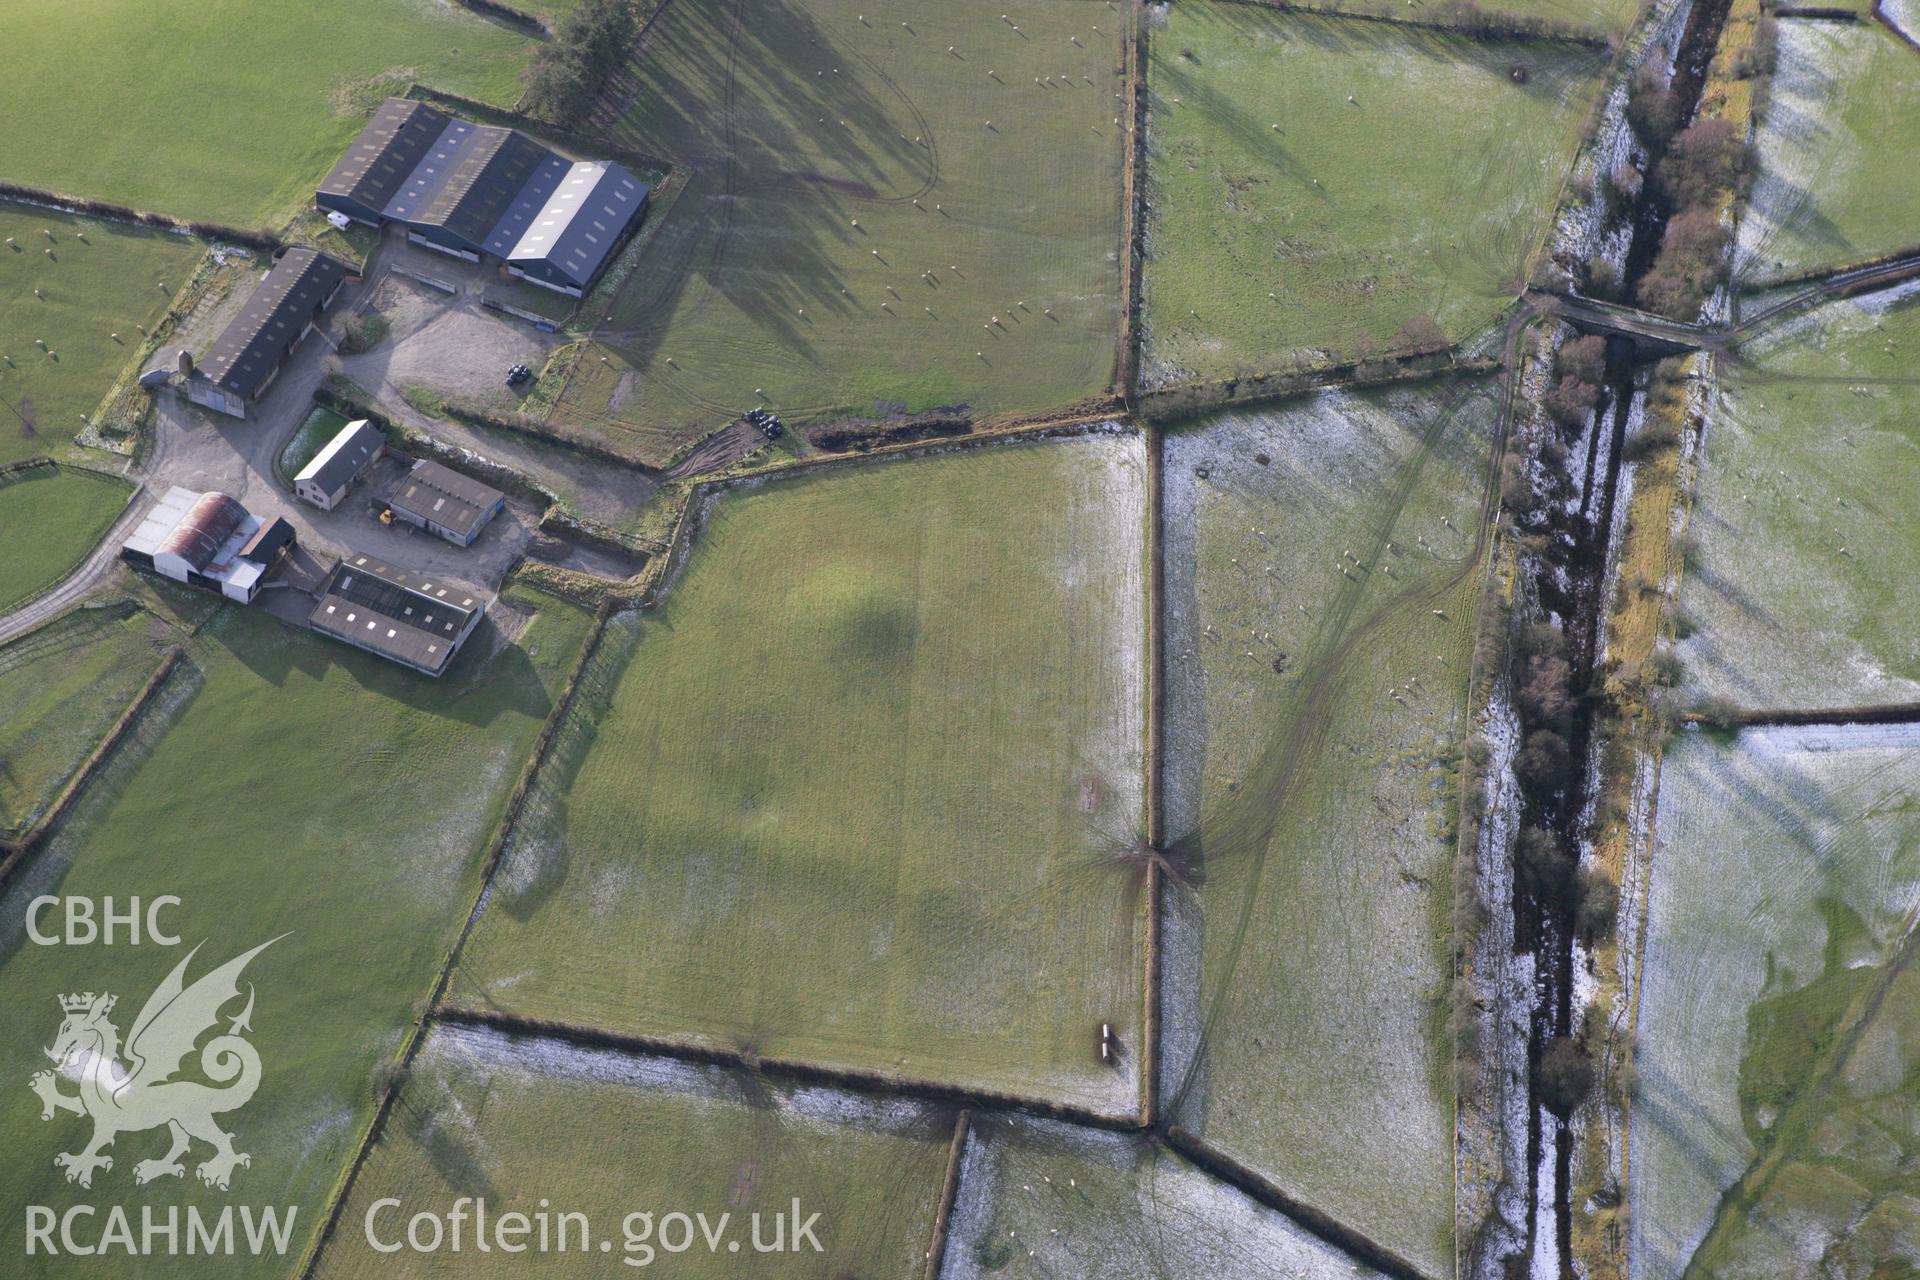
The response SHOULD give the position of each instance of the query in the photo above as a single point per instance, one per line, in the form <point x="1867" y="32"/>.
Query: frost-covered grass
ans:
<point x="1836" y="179"/>
<point x="1307" y="959"/>
<point x="793" y="259"/>
<point x="50" y="518"/>
<point x="854" y="792"/>
<point x="1805" y="534"/>
<point x="1423" y="196"/>
<point x="89" y="290"/>
<point x="1042" y="1199"/>
<point x="62" y="687"/>
<point x="240" y="108"/>
<point x="1786" y="866"/>
<point x="280" y="783"/>
<point x="1843" y="1199"/>
<point x="530" y="1128"/>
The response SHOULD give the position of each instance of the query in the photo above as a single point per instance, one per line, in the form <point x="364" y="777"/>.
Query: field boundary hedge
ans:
<point x="860" y="1080"/>
<point x="259" y="238"/>
<point x="535" y="25"/>
<point x="1488" y="26"/>
<point x="1263" y="1189"/>
<point x="19" y="849"/>
<point x="1156" y="772"/>
<point x="1134" y="187"/>
<point x="1188" y="398"/>
<point x="949" y="1189"/>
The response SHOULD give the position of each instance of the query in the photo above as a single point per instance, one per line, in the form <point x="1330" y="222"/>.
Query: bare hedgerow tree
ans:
<point x="29" y="419"/>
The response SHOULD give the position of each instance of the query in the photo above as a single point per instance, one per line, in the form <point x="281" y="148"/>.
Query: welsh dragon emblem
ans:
<point x="142" y="1093"/>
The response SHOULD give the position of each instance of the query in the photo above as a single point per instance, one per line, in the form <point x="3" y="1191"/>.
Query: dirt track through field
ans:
<point x="1245" y="828"/>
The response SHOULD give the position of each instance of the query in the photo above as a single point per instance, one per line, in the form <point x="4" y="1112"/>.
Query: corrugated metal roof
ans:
<point x="344" y="457"/>
<point x="471" y="180"/>
<point x="377" y="164"/>
<point x="167" y="511"/>
<point x="400" y="615"/>
<point x="438" y="493"/>
<point x="582" y="220"/>
<point x="203" y="530"/>
<point x="245" y="355"/>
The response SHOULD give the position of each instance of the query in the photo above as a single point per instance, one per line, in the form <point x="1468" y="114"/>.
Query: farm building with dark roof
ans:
<point x="483" y="191"/>
<point x="379" y="163"/>
<point x="581" y="224"/>
<point x="246" y="357"/>
<point x="441" y="500"/>
<point x="415" y="621"/>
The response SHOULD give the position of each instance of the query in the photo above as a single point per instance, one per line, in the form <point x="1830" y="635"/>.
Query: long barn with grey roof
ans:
<point x="484" y="191"/>
<point x="416" y="621"/>
<point x="245" y="359"/>
<point x="380" y="161"/>
<point x="582" y="223"/>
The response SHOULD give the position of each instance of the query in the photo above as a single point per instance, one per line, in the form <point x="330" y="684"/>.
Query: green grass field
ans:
<point x="1314" y="702"/>
<point x="1424" y="196"/>
<point x="63" y="686"/>
<point x="606" y="1136"/>
<point x="50" y="518"/>
<point x="1043" y="1199"/>
<point x="89" y="290"/>
<point x="220" y="109"/>
<point x="1786" y="871"/>
<point x="279" y="782"/>
<point x="855" y="792"/>
<point x="1833" y="183"/>
<point x="796" y="120"/>
<point x="1805" y="538"/>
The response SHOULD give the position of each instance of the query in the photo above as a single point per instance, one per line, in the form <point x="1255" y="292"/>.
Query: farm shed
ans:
<point x="479" y="191"/>
<point x="247" y="356"/>
<point x="441" y="500"/>
<point x="404" y="617"/>
<point x="209" y="541"/>
<point x="339" y="464"/>
<point x="582" y="223"/>
<point x="380" y="161"/>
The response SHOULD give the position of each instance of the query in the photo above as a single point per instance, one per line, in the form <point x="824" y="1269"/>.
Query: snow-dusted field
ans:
<point x="1837" y="178"/>
<point x="1807" y="536"/>
<point x="545" y="1129"/>
<point x="1781" y="856"/>
<point x="1333" y="540"/>
<point x="1041" y="1199"/>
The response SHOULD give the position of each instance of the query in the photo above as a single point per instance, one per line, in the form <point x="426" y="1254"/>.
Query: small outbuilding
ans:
<point x="209" y="541"/>
<point x="416" y="621"/>
<point x="440" y="500"/>
<point x="248" y="355"/>
<point x="340" y="464"/>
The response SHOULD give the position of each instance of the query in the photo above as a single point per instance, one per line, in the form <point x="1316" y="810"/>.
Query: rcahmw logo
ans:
<point x="147" y="1091"/>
